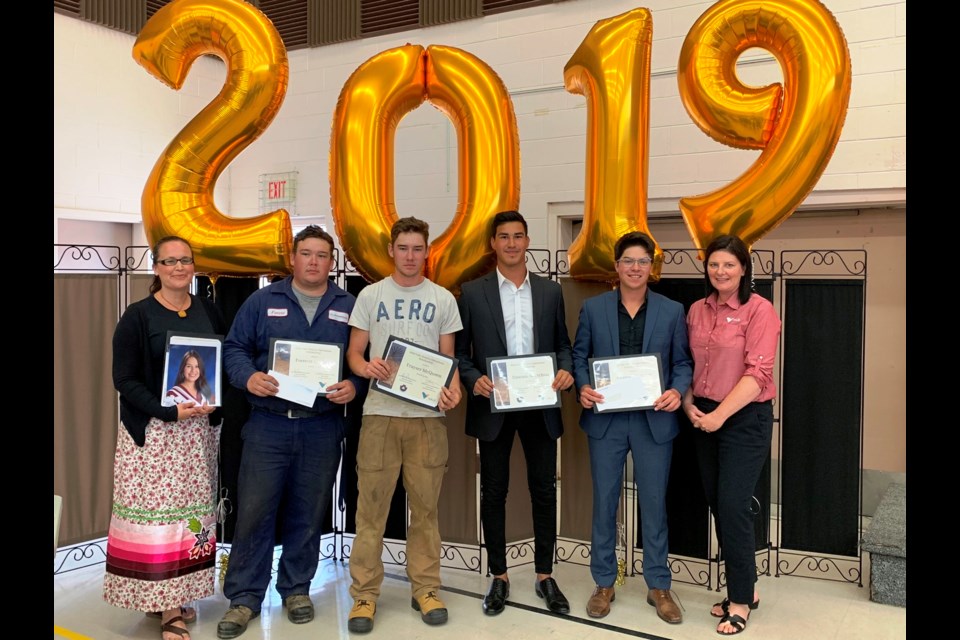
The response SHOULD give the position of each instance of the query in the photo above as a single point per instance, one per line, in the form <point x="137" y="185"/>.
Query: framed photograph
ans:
<point x="191" y="370"/>
<point x="314" y="364"/>
<point x="627" y="383"/>
<point x="523" y="382"/>
<point x="416" y="373"/>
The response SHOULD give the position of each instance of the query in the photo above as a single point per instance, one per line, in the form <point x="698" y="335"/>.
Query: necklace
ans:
<point x="180" y="311"/>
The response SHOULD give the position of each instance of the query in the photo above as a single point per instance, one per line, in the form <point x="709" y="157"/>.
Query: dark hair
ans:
<point x="634" y="239"/>
<point x="156" y="285"/>
<point x="202" y="385"/>
<point x="739" y="250"/>
<point x="312" y="231"/>
<point x="409" y="225"/>
<point x="503" y="218"/>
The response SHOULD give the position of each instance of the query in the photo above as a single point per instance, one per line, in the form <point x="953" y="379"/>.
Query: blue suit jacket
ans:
<point x="664" y="332"/>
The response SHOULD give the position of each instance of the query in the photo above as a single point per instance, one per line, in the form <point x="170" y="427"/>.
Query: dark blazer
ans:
<point x="664" y="332"/>
<point x="484" y="336"/>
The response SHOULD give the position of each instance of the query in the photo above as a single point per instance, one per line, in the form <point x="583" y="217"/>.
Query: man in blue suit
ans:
<point x="632" y="320"/>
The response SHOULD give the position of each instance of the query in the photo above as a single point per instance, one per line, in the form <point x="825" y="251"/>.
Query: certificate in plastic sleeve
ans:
<point x="315" y="364"/>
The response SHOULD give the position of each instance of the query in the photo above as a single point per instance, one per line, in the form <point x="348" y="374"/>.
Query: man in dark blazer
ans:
<point x="512" y="312"/>
<point x="632" y="320"/>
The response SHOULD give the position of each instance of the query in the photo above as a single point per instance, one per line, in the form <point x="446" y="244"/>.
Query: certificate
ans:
<point x="313" y="364"/>
<point x="523" y="382"/>
<point x="626" y="382"/>
<point x="416" y="374"/>
<point x="191" y="369"/>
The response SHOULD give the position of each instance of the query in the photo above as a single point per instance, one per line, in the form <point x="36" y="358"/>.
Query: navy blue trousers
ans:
<point x="289" y="461"/>
<point x="629" y="431"/>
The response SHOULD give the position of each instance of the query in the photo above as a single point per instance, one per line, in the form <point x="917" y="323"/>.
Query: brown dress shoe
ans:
<point x="667" y="609"/>
<point x="599" y="603"/>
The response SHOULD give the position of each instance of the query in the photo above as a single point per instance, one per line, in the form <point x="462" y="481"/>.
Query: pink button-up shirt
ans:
<point x="732" y="340"/>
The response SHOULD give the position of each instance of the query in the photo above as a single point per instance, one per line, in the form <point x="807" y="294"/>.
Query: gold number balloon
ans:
<point x="797" y="125"/>
<point x="178" y="196"/>
<point x="611" y="69"/>
<point x="372" y="102"/>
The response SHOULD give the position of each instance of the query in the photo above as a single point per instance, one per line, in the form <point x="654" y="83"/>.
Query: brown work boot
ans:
<point x="361" y="615"/>
<point x="431" y="608"/>
<point x="667" y="609"/>
<point x="599" y="603"/>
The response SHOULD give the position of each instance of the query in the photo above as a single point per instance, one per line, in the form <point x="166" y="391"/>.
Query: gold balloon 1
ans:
<point x="611" y="69"/>
<point x="797" y="124"/>
<point x="371" y="104"/>
<point x="178" y="196"/>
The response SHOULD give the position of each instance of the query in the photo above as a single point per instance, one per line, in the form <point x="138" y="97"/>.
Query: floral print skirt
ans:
<point x="161" y="547"/>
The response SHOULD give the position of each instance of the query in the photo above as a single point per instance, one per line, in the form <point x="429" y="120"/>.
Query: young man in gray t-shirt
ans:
<point x="397" y="435"/>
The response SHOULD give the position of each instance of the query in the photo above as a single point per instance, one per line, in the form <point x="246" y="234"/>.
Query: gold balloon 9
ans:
<point x="611" y="68"/>
<point x="371" y="104"/>
<point x="178" y="196"/>
<point x="797" y="125"/>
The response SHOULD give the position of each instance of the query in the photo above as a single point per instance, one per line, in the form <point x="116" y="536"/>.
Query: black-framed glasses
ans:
<point x="630" y="262"/>
<point x="170" y="262"/>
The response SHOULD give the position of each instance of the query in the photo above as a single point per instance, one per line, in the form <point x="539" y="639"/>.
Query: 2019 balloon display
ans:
<point x="372" y="102"/>
<point x="796" y="124"/>
<point x="178" y="196"/>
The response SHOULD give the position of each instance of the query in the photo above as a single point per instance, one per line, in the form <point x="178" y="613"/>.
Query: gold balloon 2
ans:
<point x="178" y="196"/>
<point x="371" y="104"/>
<point x="796" y="124"/>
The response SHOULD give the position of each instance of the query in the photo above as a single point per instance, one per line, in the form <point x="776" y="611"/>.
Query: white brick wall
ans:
<point x="112" y="120"/>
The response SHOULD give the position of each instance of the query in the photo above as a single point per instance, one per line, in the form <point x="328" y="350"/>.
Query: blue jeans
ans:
<point x="289" y="461"/>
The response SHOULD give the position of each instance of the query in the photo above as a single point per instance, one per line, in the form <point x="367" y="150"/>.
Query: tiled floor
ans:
<point x="792" y="608"/>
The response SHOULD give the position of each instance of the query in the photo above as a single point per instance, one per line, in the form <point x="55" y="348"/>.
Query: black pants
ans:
<point x="540" y="451"/>
<point x="731" y="459"/>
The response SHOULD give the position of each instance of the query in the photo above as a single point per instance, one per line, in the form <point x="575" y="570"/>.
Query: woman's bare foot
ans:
<point x="735" y="621"/>
<point x="719" y="609"/>
<point x="172" y="625"/>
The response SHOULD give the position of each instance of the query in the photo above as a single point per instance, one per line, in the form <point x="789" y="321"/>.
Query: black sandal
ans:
<point x="725" y="605"/>
<point x="167" y="627"/>
<point x="738" y="623"/>
<point x="189" y="614"/>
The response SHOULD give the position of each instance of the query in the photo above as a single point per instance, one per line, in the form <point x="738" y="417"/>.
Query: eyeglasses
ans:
<point x="627" y="263"/>
<point x="170" y="262"/>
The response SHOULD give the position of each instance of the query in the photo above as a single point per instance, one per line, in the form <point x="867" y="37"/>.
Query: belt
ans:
<point x="293" y="414"/>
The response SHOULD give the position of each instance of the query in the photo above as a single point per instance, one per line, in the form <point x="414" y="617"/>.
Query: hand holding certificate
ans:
<point x="417" y="374"/>
<point x="523" y="382"/>
<point x="627" y="383"/>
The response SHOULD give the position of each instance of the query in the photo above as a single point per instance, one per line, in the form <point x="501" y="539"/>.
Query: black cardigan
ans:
<point x="138" y="373"/>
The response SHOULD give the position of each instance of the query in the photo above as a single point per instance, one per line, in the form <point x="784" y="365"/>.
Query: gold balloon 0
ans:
<point x="178" y="196"/>
<point x="611" y="69"/>
<point x="472" y="95"/>
<point x="797" y="124"/>
<point x="372" y="102"/>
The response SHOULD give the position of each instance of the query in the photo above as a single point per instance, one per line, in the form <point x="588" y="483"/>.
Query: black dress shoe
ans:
<point x="550" y="592"/>
<point x="496" y="597"/>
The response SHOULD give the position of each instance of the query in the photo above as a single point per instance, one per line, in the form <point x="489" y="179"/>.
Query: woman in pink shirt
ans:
<point x="733" y="338"/>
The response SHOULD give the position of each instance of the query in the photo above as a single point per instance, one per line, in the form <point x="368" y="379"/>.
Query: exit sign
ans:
<point x="278" y="190"/>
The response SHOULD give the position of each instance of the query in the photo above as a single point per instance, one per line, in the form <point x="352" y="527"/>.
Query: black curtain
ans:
<point x="228" y="295"/>
<point x="821" y="416"/>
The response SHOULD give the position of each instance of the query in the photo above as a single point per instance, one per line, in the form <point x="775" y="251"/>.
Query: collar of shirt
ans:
<point x="713" y="300"/>
<point x="502" y="278"/>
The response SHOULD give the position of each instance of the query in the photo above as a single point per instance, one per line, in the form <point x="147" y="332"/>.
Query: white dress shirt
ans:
<point x="517" y="305"/>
